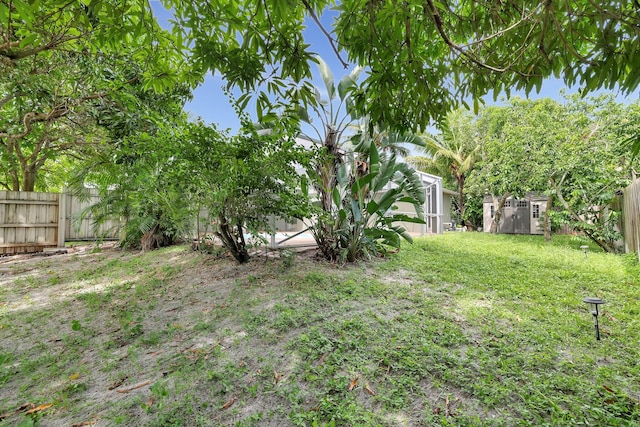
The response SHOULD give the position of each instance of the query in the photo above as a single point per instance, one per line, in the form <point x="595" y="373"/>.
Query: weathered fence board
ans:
<point x="31" y="222"/>
<point x="631" y="217"/>
<point x="28" y="221"/>
<point x="74" y="231"/>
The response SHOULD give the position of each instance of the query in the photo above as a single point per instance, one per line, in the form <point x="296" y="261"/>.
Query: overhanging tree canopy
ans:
<point x="424" y="56"/>
<point x="31" y="29"/>
<point x="68" y="66"/>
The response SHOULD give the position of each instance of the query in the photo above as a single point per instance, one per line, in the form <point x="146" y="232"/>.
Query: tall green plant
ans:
<point x="362" y="221"/>
<point x="141" y="185"/>
<point x="354" y="216"/>
<point x="335" y="114"/>
<point x="242" y="180"/>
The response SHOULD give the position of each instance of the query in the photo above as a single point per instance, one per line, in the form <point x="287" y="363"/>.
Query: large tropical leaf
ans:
<point x="303" y="114"/>
<point x="348" y="82"/>
<point x="403" y="218"/>
<point x="327" y="78"/>
<point x="388" y="199"/>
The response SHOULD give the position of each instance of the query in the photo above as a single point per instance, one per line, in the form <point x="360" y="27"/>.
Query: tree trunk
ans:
<point x="15" y="182"/>
<point x="155" y="238"/>
<point x="499" y="204"/>
<point x="546" y="222"/>
<point x="328" y="169"/>
<point x="28" y="178"/>
<point x="233" y="239"/>
<point x="603" y="244"/>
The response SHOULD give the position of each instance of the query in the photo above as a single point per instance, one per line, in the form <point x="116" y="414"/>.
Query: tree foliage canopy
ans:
<point x="31" y="29"/>
<point x="423" y="57"/>
<point x="444" y="51"/>
<point x="76" y="74"/>
<point x="572" y="152"/>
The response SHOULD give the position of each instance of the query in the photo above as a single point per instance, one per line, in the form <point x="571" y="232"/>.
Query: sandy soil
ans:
<point x="93" y="374"/>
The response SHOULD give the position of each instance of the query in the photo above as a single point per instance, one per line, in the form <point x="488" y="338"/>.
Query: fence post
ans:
<point x="62" y="219"/>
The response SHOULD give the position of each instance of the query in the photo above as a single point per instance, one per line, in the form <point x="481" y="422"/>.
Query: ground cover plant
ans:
<point x="460" y="329"/>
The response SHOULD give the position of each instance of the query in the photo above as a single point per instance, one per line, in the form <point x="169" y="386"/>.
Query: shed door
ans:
<point x="508" y="210"/>
<point x="521" y="217"/>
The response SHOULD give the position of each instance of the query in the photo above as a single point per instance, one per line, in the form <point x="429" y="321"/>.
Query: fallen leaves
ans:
<point x="196" y="354"/>
<point x="27" y="409"/>
<point x="39" y="408"/>
<point x="84" y="423"/>
<point x="212" y="307"/>
<point x="353" y="383"/>
<point x="621" y="400"/>
<point x="135" y="387"/>
<point x="448" y="408"/>
<point x="229" y="402"/>
<point x="369" y="390"/>
<point x="118" y="383"/>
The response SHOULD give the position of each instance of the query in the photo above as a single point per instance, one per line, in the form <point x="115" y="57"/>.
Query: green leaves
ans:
<point x="361" y="221"/>
<point x="327" y="78"/>
<point x="571" y="151"/>
<point x="424" y="58"/>
<point x="349" y="82"/>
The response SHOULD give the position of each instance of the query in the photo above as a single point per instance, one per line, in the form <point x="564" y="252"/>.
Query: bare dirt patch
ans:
<point x="107" y="337"/>
<point x="176" y="337"/>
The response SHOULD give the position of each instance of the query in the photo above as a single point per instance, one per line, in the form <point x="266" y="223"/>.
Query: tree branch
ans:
<point x="501" y="32"/>
<point x="439" y="23"/>
<point x="58" y="111"/>
<point x="9" y="45"/>
<point x="568" y="45"/>
<point x="21" y="54"/>
<point x="324" y="31"/>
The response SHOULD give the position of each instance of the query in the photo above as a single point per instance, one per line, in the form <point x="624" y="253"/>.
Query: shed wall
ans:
<point x="518" y="217"/>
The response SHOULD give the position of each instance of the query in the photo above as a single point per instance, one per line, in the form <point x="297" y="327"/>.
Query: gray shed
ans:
<point x="519" y="216"/>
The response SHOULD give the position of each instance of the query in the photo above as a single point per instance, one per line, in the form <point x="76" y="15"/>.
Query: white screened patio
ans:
<point x="435" y="213"/>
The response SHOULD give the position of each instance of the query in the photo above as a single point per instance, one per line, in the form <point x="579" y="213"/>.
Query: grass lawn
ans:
<point x="464" y="329"/>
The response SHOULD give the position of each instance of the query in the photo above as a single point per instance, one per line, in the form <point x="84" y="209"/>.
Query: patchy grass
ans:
<point x="461" y="329"/>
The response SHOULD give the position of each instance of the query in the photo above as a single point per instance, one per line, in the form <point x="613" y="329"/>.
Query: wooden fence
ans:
<point x="631" y="217"/>
<point x="31" y="222"/>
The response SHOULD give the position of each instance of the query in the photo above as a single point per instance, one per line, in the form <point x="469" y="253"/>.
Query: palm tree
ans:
<point x="457" y="148"/>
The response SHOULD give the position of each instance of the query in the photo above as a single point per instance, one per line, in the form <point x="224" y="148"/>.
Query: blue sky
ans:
<point x="212" y="105"/>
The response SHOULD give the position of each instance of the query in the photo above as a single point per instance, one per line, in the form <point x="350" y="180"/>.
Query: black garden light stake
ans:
<point x="593" y="307"/>
<point x="585" y="249"/>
